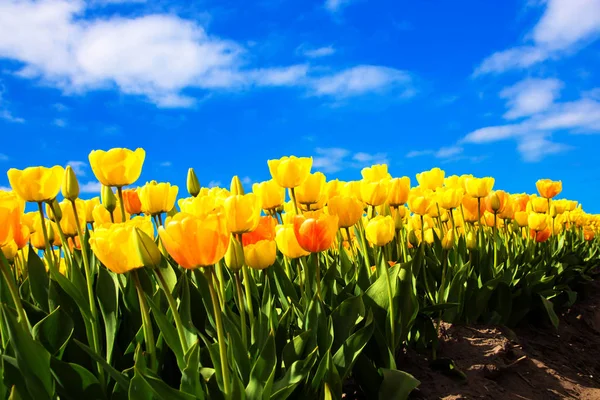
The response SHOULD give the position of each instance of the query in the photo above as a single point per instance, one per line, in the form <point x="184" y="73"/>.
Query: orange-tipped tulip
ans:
<point x="548" y="188"/>
<point x="315" y="230"/>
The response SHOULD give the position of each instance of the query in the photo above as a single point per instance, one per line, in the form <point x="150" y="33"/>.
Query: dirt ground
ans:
<point x="530" y="362"/>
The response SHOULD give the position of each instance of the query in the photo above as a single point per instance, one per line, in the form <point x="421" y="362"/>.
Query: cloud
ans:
<point x="60" y="107"/>
<point x="212" y="184"/>
<point x="8" y="116"/>
<point x="318" y="52"/>
<point x="166" y="164"/>
<point x="336" y="5"/>
<point x="364" y="79"/>
<point x="3" y="157"/>
<point x="60" y="122"/>
<point x="90" y="187"/>
<point x="418" y="153"/>
<point x="533" y="148"/>
<point x="530" y="96"/>
<point x="334" y="159"/>
<point x="447" y="152"/>
<point x="79" y="167"/>
<point x="282" y="76"/>
<point x="246" y="180"/>
<point x="5" y="188"/>
<point x="564" y="27"/>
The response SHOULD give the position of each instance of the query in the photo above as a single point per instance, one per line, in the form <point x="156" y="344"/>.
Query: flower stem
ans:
<point x="120" y="193"/>
<point x="14" y="292"/>
<point x="240" y="295"/>
<point x="48" y="251"/>
<point x="174" y="311"/>
<point x="146" y="322"/>
<point x="220" y="335"/>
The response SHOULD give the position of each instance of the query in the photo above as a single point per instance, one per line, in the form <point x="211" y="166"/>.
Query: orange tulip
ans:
<point x="264" y="231"/>
<point x="131" y="200"/>
<point x="315" y="230"/>
<point x="548" y="188"/>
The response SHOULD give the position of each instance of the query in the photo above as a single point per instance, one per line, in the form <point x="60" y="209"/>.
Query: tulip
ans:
<point x="495" y="201"/>
<point x="399" y="189"/>
<point x="117" y="167"/>
<point x="102" y="216"/>
<point x="157" y="198"/>
<point x="448" y="240"/>
<point x="70" y="186"/>
<point x="431" y="179"/>
<point x="312" y="189"/>
<point x="192" y="183"/>
<point x="522" y="218"/>
<point x="89" y="208"/>
<point x="195" y="241"/>
<point x="68" y="222"/>
<point x="36" y="184"/>
<point x="380" y="230"/>
<point x="132" y="202"/>
<point x="287" y="242"/>
<point x="548" y="188"/>
<point x="374" y="193"/>
<point x="479" y="187"/>
<point x="265" y="230"/>
<point x="537" y="222"/>
<point x="261" y="254"/>
<point x="234" y="257"/>
<point x="449" y="197"/>
<point x="315" y="230"/>
<point x="539" y="204"/>
<point x="520" y="201"/>
<point x="270" y="194"/>
<point x="242" y="213"/>
<point x="290" y="172"/>
<point x="375" y="173"/>
<point x="349" y="210"/>
<point x="419" y="201"/>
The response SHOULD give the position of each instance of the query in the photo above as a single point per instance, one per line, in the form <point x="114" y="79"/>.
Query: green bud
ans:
<point x="553" y="212"/>
<point x="234" y="258"/>
<point x="448" y="240"/>
<point x="147" y="249"/>
<point x="412" y="239"/>
<point x="70" y="186"/>
<point x="495" y="202"/>
<point x="193" y="185"/>
<point x="108" y="198"/>
<point x="236" y="186"/>
<point x="471" y="241"/>
<point x="172" y="212"/>
<point x="55" y="211"/>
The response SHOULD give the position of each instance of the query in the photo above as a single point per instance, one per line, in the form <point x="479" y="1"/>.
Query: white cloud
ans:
<point x="318" y="52"/>
<point x="370" y="159"/>
<point x="447" y="152"/>
<point x="281" y="76"/>
<point x="246" y="180"/>
<point x="364" y="79"/>
<point x="530" y="96"/>
<point x="418" y="153"/>
<point x="336" y="5"/>
<point x="334" y="159"/>
<point x="90" y="187"/>
<point x="8" y="116"/>
<point x="60" y="107"/>
<point x="79" y="167"/>
<point x="212" y="184"/>
<point x="5" y="188"/>
<point x="534" y="147"/>
<point x="563" y="28"/>
<point x="60" y="122"/>
<point x="165" y="164"/>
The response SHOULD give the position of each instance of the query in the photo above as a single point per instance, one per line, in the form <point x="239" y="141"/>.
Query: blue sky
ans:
<point x="505" y="88"/>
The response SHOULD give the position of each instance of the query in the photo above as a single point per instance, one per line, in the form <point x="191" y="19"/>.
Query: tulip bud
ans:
<point x="448" y="240"/>
<point x="147" y="249"/>
<point x="236" y="186"/>
<point x="471" y="241"/>
<point x="385" y="209"/>
<point x="109" y="201"/>
<point x="193" y="185"/>
<point x="172" y="212"/>
<point x="412" y="238"/>
<point x="495" y="202"/>
<point x="553" y="212"/>
<point x="234" y="258"/>
<point x="51" y="234"/>
<point x="56" y="211"/>
<point x="70" y="186"/>
<point x="398" y="220"/>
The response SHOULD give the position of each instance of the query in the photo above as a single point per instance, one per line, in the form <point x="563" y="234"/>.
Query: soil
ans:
<point x="529" y="362"/>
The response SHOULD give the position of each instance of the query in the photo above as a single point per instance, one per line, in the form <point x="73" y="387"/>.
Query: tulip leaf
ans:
<point x="296" y="373"/>
<point x="263" y="371"/>
<point x="396" y="385"/>
<point x="121" y="379"/>
<point x="345" y="318"/>
<point x="347" y="355"/>
<point x="549" y="307"/>
<point x="190" y="375"/>
<point x="38" y="279"/>
<point x="108" y="300"/>
<point x="75" y="382"/>
<point x="11" y="376"/>
<point x="54" y="331"/>
<point x="168" y="331"/>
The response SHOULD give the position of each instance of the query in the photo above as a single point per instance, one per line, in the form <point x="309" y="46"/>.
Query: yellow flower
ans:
<point x="334" y="188"/>
<point x="89" y="208"/>
<point x="449" y="197"/>
<point x="537" y="222"/>
<point x="349" y="210"/>
<point x="380" y="230"/>
<point x="10" y="250"/>
<point x="290" y="172"/>
<point x="548" y="188"/>
<point x="11" y="228"/>
<point x="399" y="191"/>
<point x="374" y="193"/>
<point x="261" y="254"/>
<point x="449" y="239"/>
<point x="479" y="187"/>
<point x="312" y="189"/>
<point x="67" y="222"/>
<point x="115" y="244"/>
<point x="201" y="205"/>
<point x="270" y="194"/>
<point x="195" y="241"/>
<point x="419" y="201"/>
<point x="431" y="179"/>
<point x="157" y="198"/>
<point x="37" y="235"/>
<point x="117" y="167"/>
<point x="539" y="204"/>
<point x="36" y="184"/>
<point x="242" y="213"/>
<point x="287" y="242"/>
<point x="102" y="215"/>
<point x="375" y="173"/>
<point x="521" y="217"/>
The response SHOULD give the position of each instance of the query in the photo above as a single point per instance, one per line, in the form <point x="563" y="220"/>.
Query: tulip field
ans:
<point x="288" y="291"/>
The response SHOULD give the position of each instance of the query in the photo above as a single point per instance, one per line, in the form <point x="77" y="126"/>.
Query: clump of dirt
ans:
<point x="527" y="363"/>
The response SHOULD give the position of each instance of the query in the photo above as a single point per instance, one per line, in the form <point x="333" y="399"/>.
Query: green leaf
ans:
<point x="54" y="331"/>
<point x="345" y="318"/>
<point x="347" y="355"/>
<point x="438" y="307"/>
<point x="168" y="331"/>
<point x="107" y="293"/>
<point x="75" y="382"/>
<point x="263" y="371"/>
<point x="121" y="379"/>
<point x="190" y="375"/>
<point x="294" y="350"/>
<point x="38" y="279"/>
<point x="296" y="373"/>
<point x="33" y="360"/>
<point x="11" y="376"/>
<point x="396" y="384"/>
<point x="550" y="310"/>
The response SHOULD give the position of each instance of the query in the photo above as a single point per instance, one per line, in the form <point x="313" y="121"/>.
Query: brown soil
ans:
<point x="527" y="363"/>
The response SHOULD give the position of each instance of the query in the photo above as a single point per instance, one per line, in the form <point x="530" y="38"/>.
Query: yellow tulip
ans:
<point x="539" y="204"/>
<point x="287" y="242"/>
<point x="334" y="188"/>
<point x="431" y="179"/>
<point x="261" y="254"/>
<point x="157" y="198"/>
<point x="479" y="187"/>
<point x="290" y="172"/>
<point x="419" y="201"/>
<point x="36" y="184"/>
<point x="380" y="230"/>
<point x="270" y="194"/>
<point x="537" y="222"/>
<point x="201" y="205"/>
<point x="399" y="191"/>
<point x="375" y="173"/>
<point x="312" y="189"/>
<point x="349" y="210"/>
<point x="242" y="213"/>
<point x="449" y="197"/>
<point x="374" y="193"/>
<point x="89" y="208"/>
<point x="195" y="241"/>
<point x="67" y="222"/>
<point x="548" y="188"/>
<point x="102" y="216"/>
<point x="521" y="217"/>
<point x="117" y="167"/>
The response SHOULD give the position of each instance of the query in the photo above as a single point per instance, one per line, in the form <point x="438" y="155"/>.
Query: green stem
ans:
<point x="220" y="335"/>
<point x="14" y="292"/>
<point x="246" y="277"/>
<point x="240" y="295"/>
<point x="391" y="300"/>
<point x="174" y="310"/>
<point x="494" y="233"/>
<point x="293" y="196"/>
<point x="146" y="322"/>
<point x="48" y="251"/>
<point x="221" y="280"/>
<point x="318" y="274"/>
<point x="120" y="193"/>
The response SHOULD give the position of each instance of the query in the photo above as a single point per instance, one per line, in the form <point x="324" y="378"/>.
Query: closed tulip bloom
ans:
<point x="270" y="194"/>
<point x="548" y="188"/>
<point x="541" y="235"/>
<point x="588" y="234"/>
<point x="538" y="204"/>
<point x="261" y="254"/>
<point x="479" y="187"/>
<point x="89" y="208"/>
<point x="157" y="198"/>
<point x="36" y="184"/>
<point x="242" y="213"/>
<point x="264" y="231"/>
<point x="10" y="250"/>
<point x="201" y="205"/>
<point x="68" y="222"/>
<point x="537" y="222"/>
<point x="419" y="201"/>
<point x="520" y="201"/>
<point x="116" y="247"/>
<point x="375" y="173"/>
<point x="312" y="189"/>
<point x="399" y="189"/>
<point x="349" y="210"/>
<point x="117" y="167"/>
<point x="315" y="230"/>
<point x="509" y="209"/>
<point x="334" y="188"/>
<point x="102" y="216"/>
<point x="374" y="193"/>
<point x="287" y="242"/>
<point x="380" y="230"/>
<point x="132" y="202"/>
<point x="470" y="205"/>
<point x="290" y="172"/>
<point x="195" y="241"/>
<point x="449" y="197"/>
<point x="431" y="179"/>
<point x="449" y="239"/>
<point x="522" y="218"/>
<point x="496" y="201"/>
